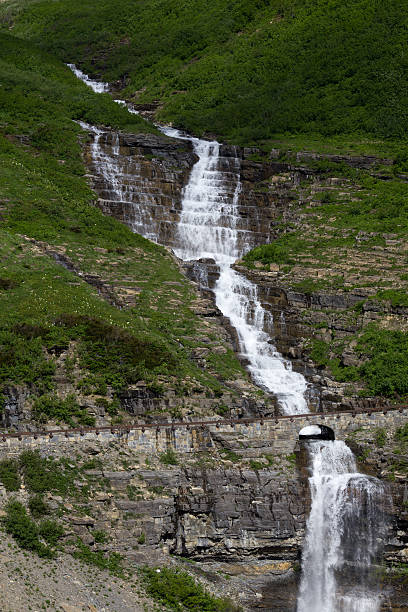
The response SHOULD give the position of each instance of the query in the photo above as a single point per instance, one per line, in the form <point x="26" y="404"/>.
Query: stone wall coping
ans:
<point x="127" y="428"/>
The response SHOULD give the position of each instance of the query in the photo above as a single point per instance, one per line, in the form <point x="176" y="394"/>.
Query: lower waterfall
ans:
<point x="344" y="534"/>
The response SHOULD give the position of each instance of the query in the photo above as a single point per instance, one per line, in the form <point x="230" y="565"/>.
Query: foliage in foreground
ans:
<point x="177" y="590"/>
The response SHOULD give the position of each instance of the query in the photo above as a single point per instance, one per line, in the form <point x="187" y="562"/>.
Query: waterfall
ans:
<point x="96" y="86"/>
<point x="344" y="534"/>
<point x="209" y="228"/>
<point x="347" y="522"/>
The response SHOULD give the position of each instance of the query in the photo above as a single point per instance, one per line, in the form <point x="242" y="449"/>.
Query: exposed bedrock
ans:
<point x="151" y="172"/>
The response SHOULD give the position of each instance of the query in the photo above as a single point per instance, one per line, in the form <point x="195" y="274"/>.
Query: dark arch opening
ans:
<point x="316" y="432"/>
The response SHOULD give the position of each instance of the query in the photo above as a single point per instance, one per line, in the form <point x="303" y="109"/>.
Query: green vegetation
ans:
<point x="386" y="370"/>
<point x="100" y="536"/>
<point x="380" y="437"/>
<point x="401" y="435"/>
<point x="28" y="534"/>
<point x="37" y="506"/>
<point x="230" y="455"/>
<point x="48" y="407"/>
<point x="247" y="70"/>
<point x="256" y="465"/>
<point x="46" y="474"/>
<point x="281" y="251"/>
<point x="169" y="457"/>
<point x="396" y="297"/>
<point x="9" y="475"/>
<point x="177" y="590"/>
<point x="47" y="309"/>
<point x="111" y="562"/>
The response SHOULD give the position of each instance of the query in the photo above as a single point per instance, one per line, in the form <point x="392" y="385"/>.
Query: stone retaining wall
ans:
<point x="280" y="434"/>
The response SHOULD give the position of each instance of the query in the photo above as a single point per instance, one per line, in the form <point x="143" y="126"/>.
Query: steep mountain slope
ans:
<point x="88" y="308"/>
<point x="245" y="70"/>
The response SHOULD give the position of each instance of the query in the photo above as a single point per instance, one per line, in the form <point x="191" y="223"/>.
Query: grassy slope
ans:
<point x="244" y="69"/>
<point x="348" y="233"/>
<point x="44" y="196"/>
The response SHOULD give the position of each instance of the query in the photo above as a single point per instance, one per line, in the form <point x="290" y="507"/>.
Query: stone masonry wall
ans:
<point x="279" y="434"/>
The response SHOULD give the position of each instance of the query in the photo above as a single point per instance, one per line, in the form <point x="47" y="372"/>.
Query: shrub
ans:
<point x="380" y="437"/>
<point x="24" y="530"/>
<point x="230" y="455"/>
<point x="100" y="536"/>
<point x="42" y="474"/>
<point x="67" y="410"/>
<point x="9" y="475"/>
<point x="402" y="434"/>
<point x="169" y="457"/>
<point x="177" y="590"/>
<point x="386" y="369"/>
<point x="51" y="531"/>
<point x="112" y="562"/>
<point x="37" y="506"/>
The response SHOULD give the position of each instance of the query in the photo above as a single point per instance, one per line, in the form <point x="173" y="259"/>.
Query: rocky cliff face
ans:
<point x="150" y="174"/>
<point x="233" y="511"/>
<point x="302" y="318"/>
<point x="327" y="295"/>
<point x="247" y="522"/>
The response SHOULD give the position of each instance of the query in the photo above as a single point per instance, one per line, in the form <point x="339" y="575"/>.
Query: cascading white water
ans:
<point x="344" y="534"/>
<point x="96" y="86"/>
<point x="208" y="229"/>
<point x="346" y="525"/>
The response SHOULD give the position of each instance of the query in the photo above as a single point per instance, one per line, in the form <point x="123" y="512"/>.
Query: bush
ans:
<point x="119" y="357"/>
<point x="67" y="410"/>
<point x="50" y="531"/>
<point x="24" y="530"/>
<point x="402" y="434"/>
<point x="246" y="70"/>
<point x="281" y="251"/>
<point x="100" y="537"/>
<point x="177" y="590"/>
<point x="386" y="369"/>
<point x="230" y="455"/>
<point x="9" y="475"/>
<point x="169" y="457"/>
<point x="41" y="475"/>
<point x="380" y="437"/>
<point x="112" y="562"/>
<point x="37" y="506"/>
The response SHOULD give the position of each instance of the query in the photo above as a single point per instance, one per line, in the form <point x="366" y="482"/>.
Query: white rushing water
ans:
<point x="208" y="228"/>
<point x="346" y="525"/>
<point x="344" y="534"/>
<point x="96" y="86"/>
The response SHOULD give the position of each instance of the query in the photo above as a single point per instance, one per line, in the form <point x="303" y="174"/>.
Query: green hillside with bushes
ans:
<point x="246" y="70"/>
<point x="46" y="207"/>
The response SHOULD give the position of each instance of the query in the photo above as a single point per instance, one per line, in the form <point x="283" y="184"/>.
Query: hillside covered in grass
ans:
<point x="243" y="69"/>
<point x="63" y="264"/>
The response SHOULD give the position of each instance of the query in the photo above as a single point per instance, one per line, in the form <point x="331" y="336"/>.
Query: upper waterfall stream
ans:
<point x="208" y="228"/>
